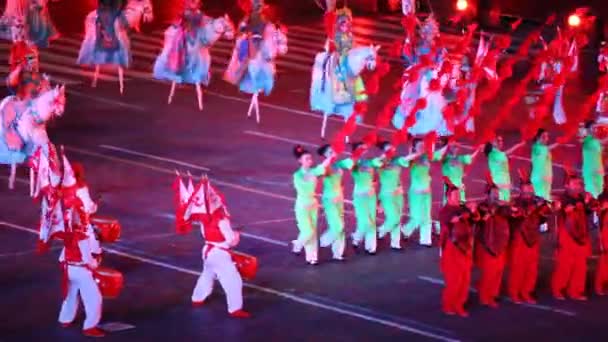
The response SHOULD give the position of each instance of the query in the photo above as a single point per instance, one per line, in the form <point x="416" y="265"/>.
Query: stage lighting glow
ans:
<point x="574" y="20"/>
<point x="462" y="5"/>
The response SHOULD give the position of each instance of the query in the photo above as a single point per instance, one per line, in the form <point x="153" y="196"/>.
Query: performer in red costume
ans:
<point x="601" y="274"/>
<point x="79" y="263"/>
<point x="456" y="251"/>
<point x="491" y="242"/>
<point x="573" y="241"/>
<point x="207" y="206"/>
<point x="529" y="212"/>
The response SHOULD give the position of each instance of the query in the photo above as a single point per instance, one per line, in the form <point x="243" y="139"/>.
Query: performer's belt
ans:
<point x="209" y="246"/>
<point x="78" y="264"/>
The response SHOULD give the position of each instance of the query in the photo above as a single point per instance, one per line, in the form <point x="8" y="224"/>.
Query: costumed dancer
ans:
<point x="420" y="196"/>
<point x="106" y="41"/>
<point x="498" y="164"/>
<point x="561" y="55"/>
<point x="306" y="205"/>
<point x="456" y="243"/>
<point x="453" y="164"/>
<point x="542" y="167"/>
<point x="207" y="207"/>
<point x="391" y="192"/>
<point x="336" y="84"/>
<point x="333" y="202"/>
<point x="573" y="241"/>
<point x="423" y="84"/>
<point x="529" y="213"/>
<point x="365" y="199"/>
<point x="252" y="65"/>
<point x="185" y="56"/>
<point x="40" y="28"/>
<point x="593" y="166"/>
<point x="491" y="242"/>
<point x="601" y="272"/>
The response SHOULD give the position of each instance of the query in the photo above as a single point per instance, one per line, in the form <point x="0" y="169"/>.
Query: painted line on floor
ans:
<point x="569" y="313"/>
<point x="151" y="156"/>
<point x="107" y="101"/>
<point x="278" y="293"/>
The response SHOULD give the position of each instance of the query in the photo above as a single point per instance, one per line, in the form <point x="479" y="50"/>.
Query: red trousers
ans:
<point x="570" y="267"/>
<point x="523" y="268"/>
<point x="456" y="269"/>
<point x="601" y="274"/>
<point x="491" y="268"/>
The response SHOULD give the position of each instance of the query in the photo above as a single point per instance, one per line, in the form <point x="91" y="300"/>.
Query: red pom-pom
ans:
<point x="434" y="85"/>
<point x="503" y="42"/>
<point x="371" y="138"/>
<point x="420" y="103"/>
<point x="361" y="107"/>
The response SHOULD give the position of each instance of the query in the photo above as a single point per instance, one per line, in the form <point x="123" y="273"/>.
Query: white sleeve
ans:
<point x="89" y="206"/>
<point x="232" y="238"/>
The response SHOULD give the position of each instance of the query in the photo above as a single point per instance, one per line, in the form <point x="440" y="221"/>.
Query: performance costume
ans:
<point x="542" y="170"/>
<point x="452" y="167"/>
<point x="492" y="240"/>
<point x="573" y="247"/>
<point x="601" y="272"/>
<point x="365" y="202"/>
<point x="391" y="198"/>
<point x="420" y="201"/>
<point x="456" y="243"/>
<point x="333" y="206"/>
<point x="593" y="166"/>
<point x="498" y="163"/>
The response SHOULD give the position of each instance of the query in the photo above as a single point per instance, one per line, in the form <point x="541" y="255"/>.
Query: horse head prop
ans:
<point x="138" y="11"/>
<point x="360" y="58"/>
<point x="218" y="28"/>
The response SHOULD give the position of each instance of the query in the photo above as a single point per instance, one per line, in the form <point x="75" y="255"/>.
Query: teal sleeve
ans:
<point x="466" y="159"/>
<point x="401" y="161"/>
<point x="438" y="155"/>
<point x="318" y="170"/>
<point x="345" y="164"/>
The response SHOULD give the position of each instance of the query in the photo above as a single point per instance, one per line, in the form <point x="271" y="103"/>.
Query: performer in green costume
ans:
<point x="364" y="198"/>
<point x="307" y="206"/>
<point x="419" y="195"/>
<point x="593" y="166"/>
<point x="333" y="203"/>
<point x="541" y="176"/>
<point x="452" y="165"/>
<point x="391" y="192"/>
<point x="498" y="163"/>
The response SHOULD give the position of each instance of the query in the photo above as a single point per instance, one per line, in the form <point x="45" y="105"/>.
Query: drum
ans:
<point x="108" y="228"/>
<point x="246" y="264"/>
<point x="110" y="281"/>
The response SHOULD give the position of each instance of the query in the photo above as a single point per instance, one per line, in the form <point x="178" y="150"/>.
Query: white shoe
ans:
<point x="297" y="249"/>
<point x="544" y="228"/>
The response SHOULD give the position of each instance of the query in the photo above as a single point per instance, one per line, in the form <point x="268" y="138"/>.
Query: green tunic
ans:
<point x="541" y="176"/>
<point x="452" y="167"/>
<point x="306" y="206"/>
<point x="333" y="205"/>
<point x="498" y="163"/>
<point x="365" y="202"/>
<point x="391" y="198"/>
<point x="420" y="200"/>
<point x="593" y="167"/>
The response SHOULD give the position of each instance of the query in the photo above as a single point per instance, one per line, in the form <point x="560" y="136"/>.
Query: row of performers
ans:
<point x="491" y="235"/>
<point x="363" y="167"/>
<point x="69" y="215"/>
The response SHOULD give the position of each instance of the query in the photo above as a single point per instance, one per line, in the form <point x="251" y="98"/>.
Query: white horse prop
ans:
<point x="253" y="70"/>
<point x="135" y="12"/>
<point x="324" y="96"/>
<point x="198" y="56"/>
<point x="23" y="126"/>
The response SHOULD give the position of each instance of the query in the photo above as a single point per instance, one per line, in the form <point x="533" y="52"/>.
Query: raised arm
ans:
<point x="515" y="147"/>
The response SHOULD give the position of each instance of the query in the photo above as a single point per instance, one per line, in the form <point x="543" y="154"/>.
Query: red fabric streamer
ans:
<point x="371" y="138"/>
<point x="429" y="144"/>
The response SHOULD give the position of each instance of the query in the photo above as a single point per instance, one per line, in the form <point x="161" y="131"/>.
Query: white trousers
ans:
<point x="218" y="264"/>
<point x="81" y="282"/>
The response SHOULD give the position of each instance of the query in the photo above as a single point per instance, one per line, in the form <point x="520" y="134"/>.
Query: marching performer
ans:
<point x="529" y="213"/>
<point x="365" y="199"/>
<point x="185" y="55"/>
<point x="40" y="28"/>
<point x="391" y="192"/>
<point x="252" y="65"/>
<point x="106" y="41"/>
<point x="456" y="243"/>
<point x="79" y="264"/>
<point x="207" y="207"/>
<point x="453" y="164"/>
<point x="307" y="206"/>
<point x="420" y="196"/>
<point x="601" y="273"/>
<point x="593" y="166"/>
<point x="498" y="163"/>
<point x="542" y="167"/>
<point x="492" y="240"/>
<point x="573" y="242"/>
<point x="333" y="202"/>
